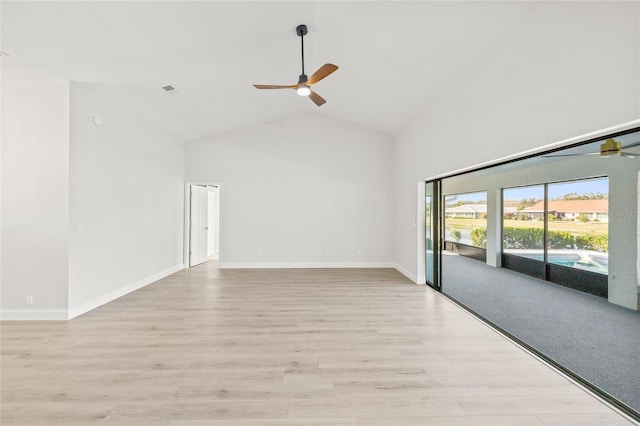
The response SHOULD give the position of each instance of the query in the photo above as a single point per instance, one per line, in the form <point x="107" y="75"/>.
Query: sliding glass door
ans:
<point x="559" y="232"/>
<point x="432" y="233"/>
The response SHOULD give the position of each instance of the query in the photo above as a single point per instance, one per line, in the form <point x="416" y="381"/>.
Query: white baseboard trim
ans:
<point x="320" y="265"/>
<point x="406" y="273"/>
<point x="297" y="265"/>
<point x="34" y="314"/>
<point x="115" y="294"/>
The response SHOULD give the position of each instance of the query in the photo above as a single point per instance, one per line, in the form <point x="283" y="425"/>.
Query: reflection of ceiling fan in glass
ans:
<point x="609" y="148"/>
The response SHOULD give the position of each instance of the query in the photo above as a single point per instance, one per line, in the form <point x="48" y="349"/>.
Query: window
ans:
<point x="465" y="219"/>
<point x="578" y="224"/>
<point x="576" y="216"/>
<point x="523" y="221"/>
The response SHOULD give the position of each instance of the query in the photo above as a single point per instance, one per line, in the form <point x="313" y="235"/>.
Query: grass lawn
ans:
<point x="559" y="225"/>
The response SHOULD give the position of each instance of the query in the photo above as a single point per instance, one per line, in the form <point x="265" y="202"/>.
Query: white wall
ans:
<point x="126" y="191"/>
<point x="567" y="68"/>
<point x="35" y="195"/>
<point x="306" y="191"/>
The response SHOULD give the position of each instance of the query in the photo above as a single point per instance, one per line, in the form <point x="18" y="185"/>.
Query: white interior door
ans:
<point x="198" y="234"/>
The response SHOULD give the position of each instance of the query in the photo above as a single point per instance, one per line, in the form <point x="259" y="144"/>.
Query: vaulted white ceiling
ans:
<point x="395" y="58"/>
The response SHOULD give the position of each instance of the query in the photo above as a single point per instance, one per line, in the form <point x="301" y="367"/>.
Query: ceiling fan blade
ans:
<point x="272" y="86"/>
<point x="628" y="155"/>
<point x="317" y="99"/>
<point x="322" y="72"/>
<point x="571" y="155"/>
<point x="631" y="145"/>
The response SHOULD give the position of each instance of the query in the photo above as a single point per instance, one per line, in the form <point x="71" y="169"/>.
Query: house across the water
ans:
<point x="591" y="210"/>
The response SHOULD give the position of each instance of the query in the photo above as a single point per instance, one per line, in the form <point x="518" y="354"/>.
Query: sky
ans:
<point x="470" y="197"/>
<point x="555" y="190"/>
<point x="580" y="187"/>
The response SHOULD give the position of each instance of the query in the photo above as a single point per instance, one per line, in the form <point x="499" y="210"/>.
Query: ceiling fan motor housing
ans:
<point x="610" y="147"/>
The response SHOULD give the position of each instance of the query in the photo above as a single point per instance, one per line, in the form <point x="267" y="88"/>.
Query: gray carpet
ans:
<point x="595" y="339"/>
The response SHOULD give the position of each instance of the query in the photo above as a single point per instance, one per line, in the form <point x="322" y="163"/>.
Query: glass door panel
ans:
<point x="432" y="234"/>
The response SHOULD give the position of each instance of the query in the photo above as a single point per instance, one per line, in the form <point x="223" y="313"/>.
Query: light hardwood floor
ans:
<point x="281" y="347"/>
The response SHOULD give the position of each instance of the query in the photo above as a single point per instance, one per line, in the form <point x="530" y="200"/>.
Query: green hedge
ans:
<point x="479" y="237"/>
<point x="596" y="242"/>
<point x="533" y="238"/>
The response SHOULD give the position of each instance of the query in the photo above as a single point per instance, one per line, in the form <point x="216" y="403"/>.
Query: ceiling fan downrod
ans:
<point x="301" y="30"/>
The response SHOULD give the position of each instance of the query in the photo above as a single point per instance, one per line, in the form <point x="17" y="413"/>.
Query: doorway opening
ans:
<point x="202" y="223"/>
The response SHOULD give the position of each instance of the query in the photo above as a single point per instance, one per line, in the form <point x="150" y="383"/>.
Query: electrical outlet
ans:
<point x="29" y="300"/>
<point x="81" y="229"/>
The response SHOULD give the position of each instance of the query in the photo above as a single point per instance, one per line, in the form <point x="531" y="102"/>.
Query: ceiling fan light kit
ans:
<point x="303" y="88"/>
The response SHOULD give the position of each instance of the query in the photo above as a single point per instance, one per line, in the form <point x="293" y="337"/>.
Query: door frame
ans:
<point x="215" y="207"/>
<point x="437" y="233"/>
<point x="187" y="216"/>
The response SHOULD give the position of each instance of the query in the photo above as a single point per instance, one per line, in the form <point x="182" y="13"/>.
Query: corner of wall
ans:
<point x="404" y="271"/>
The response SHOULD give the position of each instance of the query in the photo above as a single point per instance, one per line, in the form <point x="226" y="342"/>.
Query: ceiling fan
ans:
<point x="609" y="148"/>
<point x="304" y="83"/>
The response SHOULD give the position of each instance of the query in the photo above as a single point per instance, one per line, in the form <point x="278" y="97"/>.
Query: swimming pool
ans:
<point x="580" y="259"/>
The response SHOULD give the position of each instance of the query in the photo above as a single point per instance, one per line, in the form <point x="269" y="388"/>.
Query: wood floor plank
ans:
<point x="273" y="422"/>
<point x="378" y="407"/>
<point x="291" y="347"/>
<point x="582" y="419"/>
<point x="409" y="390"/>
<point x="196" y="409"/>
<point x="53" y="413"/>
<point x="532" y="404"/>
<point x="252" y="390"/>
<point x="453" y="421"/>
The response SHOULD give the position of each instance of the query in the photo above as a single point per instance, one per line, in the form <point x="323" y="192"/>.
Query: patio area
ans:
<point x="586" y="334"/>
